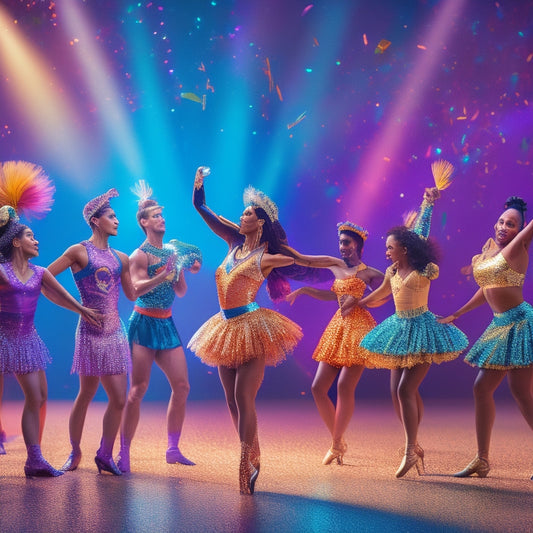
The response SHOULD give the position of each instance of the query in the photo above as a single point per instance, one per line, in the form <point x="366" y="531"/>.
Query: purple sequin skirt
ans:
<point x="21" y="349"/>
<point x="101" y="352"/>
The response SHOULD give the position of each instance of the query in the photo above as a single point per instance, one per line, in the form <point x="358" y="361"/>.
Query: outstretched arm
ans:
<point x="316" y="261"/>
<point x="476" y="300"/>
<point x="223" y="228"/>
<point x="319" y="294"/>
<point x="57" y="294"/>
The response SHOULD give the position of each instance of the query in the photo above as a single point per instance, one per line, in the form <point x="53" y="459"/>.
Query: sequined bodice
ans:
<point x="495" y="272"/>
<point x="238" y="280"/>
<point x="99" y="282"/>
<point x="351" y="286"/>
<point x="161" y="296"/>
<point x="17" y="299"/>
<point x="412" y="291"/>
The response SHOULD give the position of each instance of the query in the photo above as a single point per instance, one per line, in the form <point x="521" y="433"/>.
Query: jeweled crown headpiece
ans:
<point x="92" y="207"/>
<point x="255" y="198"/>
<point x="350" y="226"/>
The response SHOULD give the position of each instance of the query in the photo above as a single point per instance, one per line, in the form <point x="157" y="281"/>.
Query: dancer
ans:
<point x="101" y="354"/>
<point x="243" y="337"/>
<point x="157" y="272"/>
<point x="505" y="346"/>
<point x="338" y="351"/>
<point x="22" y="352"/>
<point x="411" y="339"/>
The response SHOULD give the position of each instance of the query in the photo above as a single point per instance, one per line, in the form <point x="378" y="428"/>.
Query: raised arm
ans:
<point x="57" y="294"/>
<point x="219" y="225"/>
<point x="422" y="222"/>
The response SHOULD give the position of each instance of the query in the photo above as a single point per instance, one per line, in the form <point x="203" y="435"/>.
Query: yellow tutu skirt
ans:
<point x="262" y="333"/>
<point x="339" y="344"/>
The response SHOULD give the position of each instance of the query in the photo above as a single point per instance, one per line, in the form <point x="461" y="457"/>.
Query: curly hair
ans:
<point x="12" y="230"/>
<point x="517" y="203"/>
<point x="420" y="252"/>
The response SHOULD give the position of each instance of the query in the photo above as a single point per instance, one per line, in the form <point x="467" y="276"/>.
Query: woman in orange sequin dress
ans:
<point x="338" y="352"/>
<point x="243" y="338"/>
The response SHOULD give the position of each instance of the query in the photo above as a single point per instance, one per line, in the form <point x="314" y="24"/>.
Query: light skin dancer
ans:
<point x="505" y="348"/>
<point x="244" y="338"/>
<point x="411" y="339"/>
<point x="338" y="351"/>
<point x="102" y="354"/>
<point x="22" y="352"/>
<point x="157" y="272"/>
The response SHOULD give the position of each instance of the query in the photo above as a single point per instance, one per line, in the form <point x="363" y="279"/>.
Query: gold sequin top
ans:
<point x="494" y="271"/>
<point x="412" y="291"/>
<point x="238" y="280"/>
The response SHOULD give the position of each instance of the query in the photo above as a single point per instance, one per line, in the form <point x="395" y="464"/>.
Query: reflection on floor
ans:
<point x="295" y="492"/>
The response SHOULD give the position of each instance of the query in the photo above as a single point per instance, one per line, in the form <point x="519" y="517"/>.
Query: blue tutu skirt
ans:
<point x="507" y="342"/>
<point x="154" y="333"/>
<point x="410" y="338"/>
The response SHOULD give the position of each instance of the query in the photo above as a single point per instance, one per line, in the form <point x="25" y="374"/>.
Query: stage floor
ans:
<point x="294" y="492"/>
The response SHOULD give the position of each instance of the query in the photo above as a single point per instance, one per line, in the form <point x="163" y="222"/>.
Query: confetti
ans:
<point x="279" y="93"/>
<point x="297" y="121"/>
<point x="306" y="10"/>
<point x="191" y="96"/>
<point x="382" y="46"/>
<point x="268" y="73"/>
<point x="365" y="40"/>
<point x="421" y="46"/>
<point x="315" y="42"/>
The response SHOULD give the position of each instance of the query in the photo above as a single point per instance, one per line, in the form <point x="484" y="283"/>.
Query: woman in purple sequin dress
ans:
<point x="22" y="352"/>
<point x="101" y="354"/>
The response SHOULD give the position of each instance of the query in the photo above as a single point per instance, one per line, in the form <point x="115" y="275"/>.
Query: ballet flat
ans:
<point x="72" y="462"/>
<point x="408" y="461"/>
<point x="107" y="465"/>
<point x="477" y="466"/>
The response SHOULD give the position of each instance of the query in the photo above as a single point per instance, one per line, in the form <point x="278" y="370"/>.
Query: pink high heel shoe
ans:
<point x="107" y="464"/>
<point x="72" y="462"/>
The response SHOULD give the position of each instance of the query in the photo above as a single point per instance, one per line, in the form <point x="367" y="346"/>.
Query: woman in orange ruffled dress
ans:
<point x="338" y="352"/>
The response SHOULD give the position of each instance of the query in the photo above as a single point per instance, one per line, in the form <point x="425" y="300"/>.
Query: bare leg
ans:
<point x="142" y="359"/>
<point x="324" y="378"/>
<point x="395" y="377"/>
<point x="487" y="381"/>
<point x="409" y="407"/>
<point x="520" y="380"/>
<point x="34" y="398"/>
<point x="174" y="365"/>
<point x="88" y="388"/>
<point x="227" y="378"/>
<point x="348" y="380"/>
<point x="116" y="387"/>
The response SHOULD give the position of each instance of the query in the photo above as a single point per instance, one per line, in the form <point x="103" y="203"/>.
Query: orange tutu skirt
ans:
<point x="262" y="333"/>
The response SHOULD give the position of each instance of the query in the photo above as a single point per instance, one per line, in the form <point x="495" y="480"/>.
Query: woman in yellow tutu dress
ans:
<point x="243" y="338"/>
<point x="338" y="352"/>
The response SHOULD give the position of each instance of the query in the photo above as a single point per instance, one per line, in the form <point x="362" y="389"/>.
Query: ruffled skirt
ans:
<point x="507" y="342"/>
<point x="21" y="349"/>
<point x="154" y="333"/>
<point x="232" y="342"/>
<point x="339" y="344"/>
<point x="411" y="338"/>
<point x="99" y="352"/>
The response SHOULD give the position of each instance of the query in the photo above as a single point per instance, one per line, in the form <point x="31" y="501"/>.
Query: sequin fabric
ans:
<point x="507" y="342"/>
<point x="412" y="335"/>
<point x="339" y="344"/>
<point x="21" y="349"/>
<point x="260" y="333"/>
<point x="149" y="331"/>
<point x="492" y="272"/>
<point x="102" y="350"/>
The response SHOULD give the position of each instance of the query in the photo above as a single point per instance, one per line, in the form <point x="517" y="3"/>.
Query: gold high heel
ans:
<point x="420" y="466"/>
<point x="477" y="466"/>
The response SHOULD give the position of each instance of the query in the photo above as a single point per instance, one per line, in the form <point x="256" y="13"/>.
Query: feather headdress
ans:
<point x="25" y="187"/>
<point x="142" y="190"/>
<point x="442" y="171"/>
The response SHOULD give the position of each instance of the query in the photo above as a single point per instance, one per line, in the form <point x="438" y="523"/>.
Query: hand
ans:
<point x="447" y="319"/>
<point x="431" y="194"/>
<point x="93" y="316"/>
<point x="292" y="296"/>
<point x="198" y="178"/>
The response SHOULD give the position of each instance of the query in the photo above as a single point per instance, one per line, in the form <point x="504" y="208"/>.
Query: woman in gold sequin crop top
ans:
<point x="504" y="348"/>
<point x="411" y="339"/>
<point x="244" y="337"/>
<point x="338" y="352"/>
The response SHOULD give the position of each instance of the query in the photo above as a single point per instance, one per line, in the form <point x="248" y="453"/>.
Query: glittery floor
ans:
<point x="294" y="491"/>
